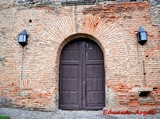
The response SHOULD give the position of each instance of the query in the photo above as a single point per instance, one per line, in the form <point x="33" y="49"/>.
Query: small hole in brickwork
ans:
<point x="144" y="73"/>
<point x="146" y="55"/>
<point x="155" y="88"/>
<point x="30" y="21"/>
<point x="136" y="85"/>
<point x="144" y="94"/>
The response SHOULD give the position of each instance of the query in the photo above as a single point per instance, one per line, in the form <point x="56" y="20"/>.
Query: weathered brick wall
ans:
<point x="113" y="27"/>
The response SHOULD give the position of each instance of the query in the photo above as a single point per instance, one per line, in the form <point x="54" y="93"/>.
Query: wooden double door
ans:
<point x="81" y="84"/>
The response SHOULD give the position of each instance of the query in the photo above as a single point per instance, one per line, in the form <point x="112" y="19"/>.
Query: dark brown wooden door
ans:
<point x="81" y="76"/>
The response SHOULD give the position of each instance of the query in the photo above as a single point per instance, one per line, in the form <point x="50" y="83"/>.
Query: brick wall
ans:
<point x="29" y="77"/>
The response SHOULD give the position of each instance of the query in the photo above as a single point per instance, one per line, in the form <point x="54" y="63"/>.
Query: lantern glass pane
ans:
<point x="22" y="38"/>
<point x="143" y="36"/>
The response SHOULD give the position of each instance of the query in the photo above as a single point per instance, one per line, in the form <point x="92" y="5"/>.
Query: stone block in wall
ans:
<point x="2" y="58"/>
<point x="154" y="2"/>
<point x="145" y="100"/>
<point x="155" y="13"/>
<point x="23" y="1"/>
<point x="35" y="2"/>
<point x="5" y="101"/>
<point x="8" y="2"/>
<point x="2" y="101"/>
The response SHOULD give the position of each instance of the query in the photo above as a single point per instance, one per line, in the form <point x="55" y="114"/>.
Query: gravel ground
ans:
<point x="60" y="114"/>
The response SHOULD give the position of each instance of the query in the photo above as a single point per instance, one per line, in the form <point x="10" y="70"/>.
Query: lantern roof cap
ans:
<point x="24" y="32"/>
<point x="141" y="29"/>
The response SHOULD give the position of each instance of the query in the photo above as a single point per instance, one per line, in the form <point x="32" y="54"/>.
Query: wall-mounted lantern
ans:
<point x="22" y="38"/>
<point x="142" y="36"/>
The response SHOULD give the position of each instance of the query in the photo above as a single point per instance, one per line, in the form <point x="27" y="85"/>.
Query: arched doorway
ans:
<point x="81" y="84"/>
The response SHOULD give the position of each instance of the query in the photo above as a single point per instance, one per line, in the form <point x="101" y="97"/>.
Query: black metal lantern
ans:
<point x="142" y="36"/>
<point x="22" y="38"/>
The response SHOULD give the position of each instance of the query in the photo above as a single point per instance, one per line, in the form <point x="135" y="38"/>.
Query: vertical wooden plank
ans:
<point x="69" y="77"/>
<point x="94" y="63"/>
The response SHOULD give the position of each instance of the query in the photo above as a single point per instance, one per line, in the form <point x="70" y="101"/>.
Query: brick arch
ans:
<point x="67" y="40"/>
<point x="79" y="35"/>
<point x="108" y="35"/>
<point x="93" y="25"/>
<point x="105" y="34"/>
